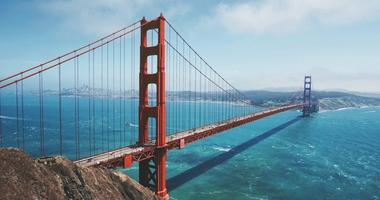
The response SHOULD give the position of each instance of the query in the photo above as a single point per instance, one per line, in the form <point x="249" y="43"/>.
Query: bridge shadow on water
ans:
<point x="194" y="172"/>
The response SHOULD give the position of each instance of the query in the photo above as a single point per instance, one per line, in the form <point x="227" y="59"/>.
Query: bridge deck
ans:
<point x="178" y="140"/>
<point x="108" y="156"/>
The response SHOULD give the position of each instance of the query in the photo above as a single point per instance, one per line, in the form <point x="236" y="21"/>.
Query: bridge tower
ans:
<point x="307" y="97"/>
<point x="152" y="171"/>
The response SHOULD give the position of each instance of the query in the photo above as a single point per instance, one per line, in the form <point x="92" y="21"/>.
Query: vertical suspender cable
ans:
<point x="17" y="119"/>
<point x="133" y="61"/>
<point x="102" y="96"/>
<point x="222" y="101"/>
<point x="89" y="101"/>
<point x="178" y="88"/>
<point x="124" y="95"/>
<point x="170" y="88"/>
<point x="93" y="103"/>
<point x="22" y="116"/>
<point x="112" y="94"/>
<point x="120" y="94"/>
<point x="132" y="90"/>
<point x="1" y="123"/>
<point x="60" y="107"/>
<point x="200" y="95"/>
<point x="135" y="103"/>
<point x="184" y="85"/>
<point x="77" y="116"/>
<point x="204" y="103"/>
<point x="124" y="87"/>
<point x="108" y="118"/>
<point x="75" y="107"/>
<point x="190" y="113"/>
<point x="195" y="93"/>
<point x="42" y="139"/>
<point x="78" y="107"/>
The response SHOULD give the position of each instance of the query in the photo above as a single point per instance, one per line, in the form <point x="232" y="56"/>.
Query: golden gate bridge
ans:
<point x="128" y="97"/>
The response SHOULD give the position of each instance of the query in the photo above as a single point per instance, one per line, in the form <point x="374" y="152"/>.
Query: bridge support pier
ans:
<point x="152" y="172"/>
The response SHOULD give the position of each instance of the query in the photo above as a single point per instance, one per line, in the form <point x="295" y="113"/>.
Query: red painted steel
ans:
<point x="151" y="153"/>
<point x="128" y="159"/>
<point x="307" y="97"/>
<point x="158" y="112"/>
<point x="174" y="141"/>
<point x="198" y="135"/>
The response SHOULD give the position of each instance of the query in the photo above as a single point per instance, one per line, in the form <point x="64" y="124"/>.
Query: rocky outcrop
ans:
<point x="21" y="177"/>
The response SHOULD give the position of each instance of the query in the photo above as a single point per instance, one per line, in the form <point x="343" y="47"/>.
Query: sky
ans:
<point x="257" y="44"/>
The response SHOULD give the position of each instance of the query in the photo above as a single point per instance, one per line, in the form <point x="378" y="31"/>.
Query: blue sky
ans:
<point x="254" y="44"/>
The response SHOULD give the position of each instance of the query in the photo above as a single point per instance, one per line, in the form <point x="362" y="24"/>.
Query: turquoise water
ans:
<point x="101" y="125"/>
<point x="332" y="155"/>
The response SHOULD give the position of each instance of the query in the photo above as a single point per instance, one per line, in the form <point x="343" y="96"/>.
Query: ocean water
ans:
<point x="99" y="125"/>
<point x="331" y="155"/>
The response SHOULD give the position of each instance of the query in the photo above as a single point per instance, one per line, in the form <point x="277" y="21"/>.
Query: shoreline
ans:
<point x="347" y="108"/>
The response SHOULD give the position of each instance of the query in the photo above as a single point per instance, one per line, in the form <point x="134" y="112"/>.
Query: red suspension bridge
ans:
<point x="128" y="97"/>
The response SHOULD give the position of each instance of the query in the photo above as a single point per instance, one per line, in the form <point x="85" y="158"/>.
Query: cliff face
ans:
<point x="56" y="178"/>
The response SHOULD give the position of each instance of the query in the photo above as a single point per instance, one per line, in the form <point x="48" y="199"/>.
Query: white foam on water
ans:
<point x="370" y="111"/>
<point x="281" y="147"/>
<point x="342" y="173"/>
<point x="360" y="107"/>
<point x="346" y="108"/>
<point x="7" y="117"/>
<point x="222" y="149"/>
<point x="130" y="124"/>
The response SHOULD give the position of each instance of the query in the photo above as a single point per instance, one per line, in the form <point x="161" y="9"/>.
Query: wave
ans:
<point x="131" y="124"/>
<point x="222" y="149"/>
<point x="342" y="109"/>
<point x="341" y="173"/>
<point x="346" y="108"/>
<point x="281" y="147"/>
<point x="7" y="117"/>
<point x="349" y="108"/>
<point x="370" y="111"/>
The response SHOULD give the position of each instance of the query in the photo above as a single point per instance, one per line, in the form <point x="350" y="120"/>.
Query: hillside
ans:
<point x="57" y="178"/>
<point x="329" y="100"/>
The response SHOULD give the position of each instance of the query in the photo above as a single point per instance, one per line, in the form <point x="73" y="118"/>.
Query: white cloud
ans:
<point x="274" y="16"/>
<point x="101" y="17"/>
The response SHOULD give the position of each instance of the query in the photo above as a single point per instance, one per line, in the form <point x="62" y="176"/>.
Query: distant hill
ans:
<point x="329" y="100"/>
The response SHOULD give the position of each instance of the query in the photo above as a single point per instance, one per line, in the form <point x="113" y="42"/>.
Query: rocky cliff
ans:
<point x="21" y="177"/>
